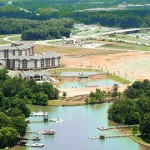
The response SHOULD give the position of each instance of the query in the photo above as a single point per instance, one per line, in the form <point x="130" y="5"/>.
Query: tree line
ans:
<point x="15" y="93"/>
<point x="37" y="30"/>
<point x="133" y="107"/>
<point x="75" y="4"/>
<point x="121" y="19"/>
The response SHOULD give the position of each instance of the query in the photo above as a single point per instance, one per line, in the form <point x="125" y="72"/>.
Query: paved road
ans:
<point x="86" y="29"/>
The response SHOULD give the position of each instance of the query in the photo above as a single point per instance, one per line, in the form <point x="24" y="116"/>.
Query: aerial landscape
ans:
<point x="75" y="74"/>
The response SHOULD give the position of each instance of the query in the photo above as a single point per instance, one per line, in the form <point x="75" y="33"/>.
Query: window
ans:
<point x="13" y="63"/>
<point x="42" y="63"/>
<point x="8" y="63"/>
<point x="53" y="62"/>
<point x="13" y="52"/>
<point x="6" y="54"/>
<point x="59" y="61"/>
<point x="24" y="64"/>
<point x="35" y="61"/>
<point x="20" y="53"/>
<point x="48" y="62"/>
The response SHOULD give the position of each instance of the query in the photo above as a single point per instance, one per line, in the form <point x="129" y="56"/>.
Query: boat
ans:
<point x="57" y="120"/>
<point x="40" y="113"/>
<point x="36" y="138"/>
<point x="35" y="145"/>
<point x="82" y="75"/>
<point x="48" y="132"/>
<point x="92" y="137"/>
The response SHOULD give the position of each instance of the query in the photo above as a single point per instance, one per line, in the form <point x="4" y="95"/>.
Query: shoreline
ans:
<point x="135" y="140"/>
<point x="141" y="143"/>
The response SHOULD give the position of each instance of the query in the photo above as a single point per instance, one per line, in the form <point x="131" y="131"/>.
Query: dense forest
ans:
<point x="14" y="95"/>
<point x="133" y="107"/>
<point x="122" y="19"/>
<point x="37" y="30"/>
<point x="73" y="4"/>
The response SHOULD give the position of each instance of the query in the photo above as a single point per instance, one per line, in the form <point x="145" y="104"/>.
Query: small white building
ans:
<point x="36" y="75"/>
<point x="21" y="56"/>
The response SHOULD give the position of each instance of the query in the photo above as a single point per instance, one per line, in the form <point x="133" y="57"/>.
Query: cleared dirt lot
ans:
<point x="133" y="65"/>
<point x="130" y="65"/>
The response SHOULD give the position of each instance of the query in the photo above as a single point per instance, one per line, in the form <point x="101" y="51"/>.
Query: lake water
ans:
<point x="88" y="83"/>
<point x="79" y="123"/>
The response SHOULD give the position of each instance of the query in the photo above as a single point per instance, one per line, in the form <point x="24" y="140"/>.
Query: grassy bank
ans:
<point x="65" y="103"/>
<point x="118" y="79"/>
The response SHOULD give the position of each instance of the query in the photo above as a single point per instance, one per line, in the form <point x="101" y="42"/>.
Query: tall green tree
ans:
<point x="145" y="125"/>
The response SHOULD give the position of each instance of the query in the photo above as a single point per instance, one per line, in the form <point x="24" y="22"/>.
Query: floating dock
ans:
<point x="45" y="132"/>
<point x="109" y="136"/>
<point x="45" y="120"/>
<point x="40" y="113"/>
<point x="114" y="127"/>
<point x="114" y="136"/>
<point x="36" y="138"/>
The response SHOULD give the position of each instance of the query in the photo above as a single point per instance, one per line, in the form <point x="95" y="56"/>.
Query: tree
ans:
<point x="14" y="112"/>
<point x="145" y="125"/>
<point x="40" y="99"/>
<point x="4" y="120"/>
<point x="20" y="104"/>
<point x="124" y="111"/>
<point x="19" y="124"/>
<point x="64" y="94"/>
<point x="98" y="96"/>
<point x="115" y="91"/>
<point x="25" y="93"/>
<point x="8" y="136"/>
<point x="3" y="74"/>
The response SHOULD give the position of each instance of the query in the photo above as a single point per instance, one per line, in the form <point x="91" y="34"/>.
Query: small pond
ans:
<point x="88" y="83"/>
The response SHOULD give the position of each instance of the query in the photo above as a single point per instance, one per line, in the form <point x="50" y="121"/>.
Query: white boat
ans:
<point x="92" y="137"/>
<point x="36" y="138"/>
<point x="48" y="132"/>
<point x="40" y="113"/>
<point x="83" y="75"/>
<point x="57" y="120"/>
<point x="35" y="145"/>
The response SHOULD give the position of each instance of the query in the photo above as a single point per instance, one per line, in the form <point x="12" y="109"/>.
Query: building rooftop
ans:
<point x="20" y="46"/>
<point x="37" y="56"/>
<point x="34" y="73"/>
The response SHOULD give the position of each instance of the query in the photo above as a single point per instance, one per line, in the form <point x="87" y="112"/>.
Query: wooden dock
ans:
<point x="114" y="127"/>
<point x="34" y="132"/>
<point x="39" y="121"/>
<point x="109" y="136"/>
<point x="114" y="136"/>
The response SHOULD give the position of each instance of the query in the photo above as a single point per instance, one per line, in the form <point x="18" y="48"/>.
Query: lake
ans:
<point x="79" y="123"/>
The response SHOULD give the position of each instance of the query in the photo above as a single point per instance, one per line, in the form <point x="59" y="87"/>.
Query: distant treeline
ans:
<point x="122" y="19"/>
<point x="73" y="4"/>
<point x="36" y="30"/>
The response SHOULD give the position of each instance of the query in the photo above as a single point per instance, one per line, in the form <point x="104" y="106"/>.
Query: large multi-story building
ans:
<point x="21" y="56"/>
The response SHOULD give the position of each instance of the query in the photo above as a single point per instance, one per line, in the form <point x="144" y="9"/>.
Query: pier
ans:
<point x="36" y="138"/>
<point x="114" y="127"/>
<point x="45" y="120"/>
<point x="114" y="136"/>
<point x="109" y="136"/>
